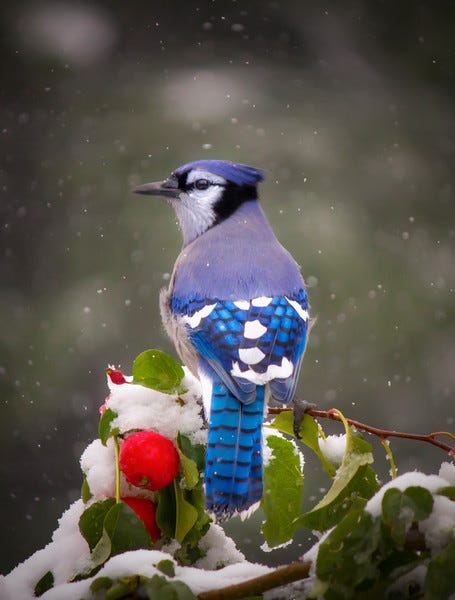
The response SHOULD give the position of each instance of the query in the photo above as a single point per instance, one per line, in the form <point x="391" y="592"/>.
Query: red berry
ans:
<point x="149" y="460"/>
<point x="115" y="376"/>
<point x="146" y="511"/>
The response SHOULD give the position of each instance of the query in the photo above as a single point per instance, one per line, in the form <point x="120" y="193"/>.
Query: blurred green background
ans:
<point x="349" y="109"/>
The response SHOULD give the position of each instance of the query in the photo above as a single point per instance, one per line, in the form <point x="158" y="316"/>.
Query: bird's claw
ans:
<point x="300" y="408"/>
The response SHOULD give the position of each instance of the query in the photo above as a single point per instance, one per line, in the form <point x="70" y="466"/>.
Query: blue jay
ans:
<point x="237" y="312"/>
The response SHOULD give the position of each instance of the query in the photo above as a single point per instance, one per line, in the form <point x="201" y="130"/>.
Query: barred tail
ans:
<point x="233" y="473"/>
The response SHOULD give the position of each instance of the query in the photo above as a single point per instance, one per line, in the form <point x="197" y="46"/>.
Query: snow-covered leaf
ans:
<point x="402" y="508"/>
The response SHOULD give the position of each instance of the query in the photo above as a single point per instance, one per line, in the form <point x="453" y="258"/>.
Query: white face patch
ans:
<point x="194" y="208"/>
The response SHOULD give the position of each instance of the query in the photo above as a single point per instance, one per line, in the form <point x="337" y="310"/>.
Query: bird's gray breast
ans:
<point x="177" y="331"/>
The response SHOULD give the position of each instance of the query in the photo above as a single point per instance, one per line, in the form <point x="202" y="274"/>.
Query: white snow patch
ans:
<point x="139" y="407"/>
<point x="333" y="448"/>
<point x="67" y="554"/>
<point x="98" y="464"/>
<point x="220" y="550"/>
<point x="439" y="528"/>
<point x="447" y="472"/>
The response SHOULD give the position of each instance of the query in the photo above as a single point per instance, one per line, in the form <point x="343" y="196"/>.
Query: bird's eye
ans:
<point x="201" y="184"/>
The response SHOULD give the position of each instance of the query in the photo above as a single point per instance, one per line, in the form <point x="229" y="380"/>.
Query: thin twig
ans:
<point x="381" y="433"/>
<point x="253" y="587"/>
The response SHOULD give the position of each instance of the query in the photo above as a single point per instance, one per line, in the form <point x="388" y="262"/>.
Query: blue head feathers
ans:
<point x="235" y="172"/>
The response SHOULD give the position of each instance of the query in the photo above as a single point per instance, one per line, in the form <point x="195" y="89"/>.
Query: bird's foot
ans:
<point x="300" y="408"/>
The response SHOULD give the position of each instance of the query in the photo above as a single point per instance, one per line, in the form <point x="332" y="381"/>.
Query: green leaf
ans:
<point x="448" y="492"/>
<point x="101" y="583"/>
<point x="167" y="567"/>
<point x="181" y="515"/>
<point x="186" y="515"/>
<point x="401" y="509"/>
<point x="118" y="590"/>
<point x="345" y="557"/>
<point x="158" y="588"/>
<point x="440" y="580"/>
<point x="102" y="551"/>
<point x="156" y="370"/>
<point x="194" y="451"/>
<point x="354" y="483"/>
<point x="196" y="498"/>
<point x="166" y="511"/>
<point x="44" y="584"/>
<point x="125" y="530"/>
<point x="308" y="435"/>
<point x="86" y="494"/>
<point x="91" y="521"/>
<point x="283" y="488"/>
<point x="189" y="467"/>
<point x="104" y="427"/>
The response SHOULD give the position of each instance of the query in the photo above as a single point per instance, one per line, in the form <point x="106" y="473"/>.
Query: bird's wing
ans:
<point x="251" y="342"/>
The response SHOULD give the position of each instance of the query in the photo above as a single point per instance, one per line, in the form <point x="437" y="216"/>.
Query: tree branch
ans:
<point x="252" y="587"/>
<point x="383" y="434"/>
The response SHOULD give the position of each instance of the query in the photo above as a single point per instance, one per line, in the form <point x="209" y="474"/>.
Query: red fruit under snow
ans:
<point x="146" y="511"/>
<point x="115" y="376"/>
<point x="149" y="460"/>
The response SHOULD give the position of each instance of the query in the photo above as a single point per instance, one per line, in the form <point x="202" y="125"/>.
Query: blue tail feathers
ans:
<point x="233" y="472"/>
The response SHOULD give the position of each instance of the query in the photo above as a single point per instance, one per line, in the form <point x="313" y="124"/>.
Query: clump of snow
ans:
<point x="333" y="448"/>
<point x="219" y="548"/>
<point x="266" y="548"/>
<point x="20" y="582"/>
<point x="139" y="407"/>
<point x="432" y="483"/>
<point x="447" y="472"/>
<point x="67" y="554"/>
<point x="439" y="528"/>
<point x="98" y="464"/>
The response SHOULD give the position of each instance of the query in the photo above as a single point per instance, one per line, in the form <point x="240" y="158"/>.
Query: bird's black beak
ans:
<point x="168" y="188"/>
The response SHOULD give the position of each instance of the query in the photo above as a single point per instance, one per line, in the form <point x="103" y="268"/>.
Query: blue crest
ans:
<point x="235" y="172"/>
